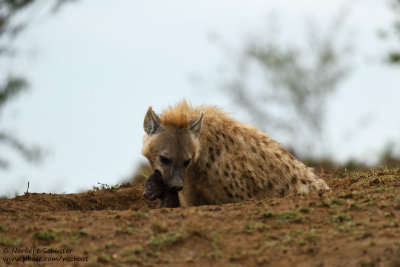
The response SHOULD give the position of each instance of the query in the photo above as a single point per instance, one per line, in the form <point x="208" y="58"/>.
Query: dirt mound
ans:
<point x="357" y="223"/>
<point x="123" y="198"/>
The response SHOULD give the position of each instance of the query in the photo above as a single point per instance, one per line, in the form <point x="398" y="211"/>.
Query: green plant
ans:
<point x="4" y="241"/>
<point x="161" y="240"/>
<point x="45" y="236"/>
<point x="339" y="217"/>
<point x="291" y="216"/>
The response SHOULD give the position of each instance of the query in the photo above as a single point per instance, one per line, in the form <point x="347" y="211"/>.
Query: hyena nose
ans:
<point x="176" y="184"/>
<point x="176" y="188"/>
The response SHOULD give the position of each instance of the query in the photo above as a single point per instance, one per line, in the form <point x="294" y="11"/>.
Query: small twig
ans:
<point x="322" y="169"/>
<point x="27" y="189"/>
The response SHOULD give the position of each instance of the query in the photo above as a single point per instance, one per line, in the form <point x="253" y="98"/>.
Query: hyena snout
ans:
<point x="175" y="183"/>
<point x="173" y="178"/>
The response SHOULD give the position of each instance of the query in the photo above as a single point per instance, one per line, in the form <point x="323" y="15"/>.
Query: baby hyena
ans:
<point x="212" y="159"/>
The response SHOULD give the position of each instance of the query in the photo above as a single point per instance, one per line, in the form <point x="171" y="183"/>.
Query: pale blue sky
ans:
<point x="96" y="66"/>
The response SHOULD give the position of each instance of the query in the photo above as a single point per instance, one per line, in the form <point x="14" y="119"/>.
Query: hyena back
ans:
<point x="213" y="159"/>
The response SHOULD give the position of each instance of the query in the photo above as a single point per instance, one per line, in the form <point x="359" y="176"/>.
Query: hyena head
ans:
<point x="170" y="149"/>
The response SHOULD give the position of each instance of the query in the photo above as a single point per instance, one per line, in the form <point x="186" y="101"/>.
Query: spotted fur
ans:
<point x="232" y="161"/>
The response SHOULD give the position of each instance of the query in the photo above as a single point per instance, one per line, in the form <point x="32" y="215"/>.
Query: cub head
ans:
<point x="171" y="149"/>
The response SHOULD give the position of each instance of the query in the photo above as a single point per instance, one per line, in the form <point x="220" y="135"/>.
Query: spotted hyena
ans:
<point x="211" y="158"/>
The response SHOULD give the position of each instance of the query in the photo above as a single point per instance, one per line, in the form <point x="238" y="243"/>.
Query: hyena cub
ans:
<point x="210" y="158"/>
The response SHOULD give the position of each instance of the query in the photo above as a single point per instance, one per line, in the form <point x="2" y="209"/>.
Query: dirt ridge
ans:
<point x="357" y="223"/>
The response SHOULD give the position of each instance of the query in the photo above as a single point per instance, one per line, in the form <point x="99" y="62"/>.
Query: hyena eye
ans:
<point x="186" y="163"/>
<point x="165" y="161"/>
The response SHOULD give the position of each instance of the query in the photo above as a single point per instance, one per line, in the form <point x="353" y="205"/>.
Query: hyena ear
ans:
<point x="151" y="124"/>
<point x="195" y="125"/>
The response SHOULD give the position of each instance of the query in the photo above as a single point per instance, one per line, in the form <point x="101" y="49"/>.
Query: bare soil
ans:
<point x="357" y="223"/>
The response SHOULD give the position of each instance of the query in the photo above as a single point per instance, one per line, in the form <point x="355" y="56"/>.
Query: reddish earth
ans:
<point x="356" y="224"/>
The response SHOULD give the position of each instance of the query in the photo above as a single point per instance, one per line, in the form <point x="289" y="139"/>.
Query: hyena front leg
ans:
<point x="169" y="199"/>
<point x="155" y="188"/>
